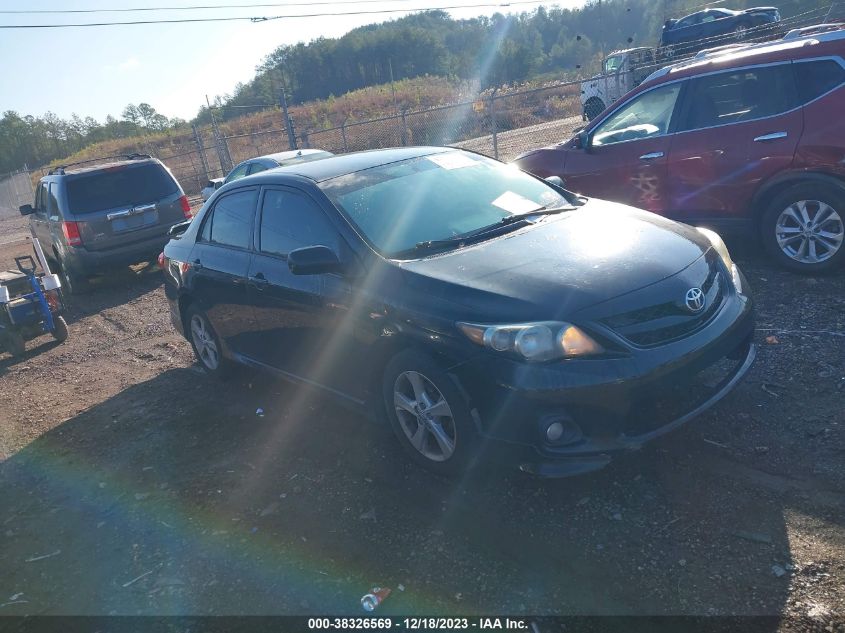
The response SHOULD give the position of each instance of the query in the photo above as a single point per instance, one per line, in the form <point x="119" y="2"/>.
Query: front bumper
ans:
<point x="607" y="405"/>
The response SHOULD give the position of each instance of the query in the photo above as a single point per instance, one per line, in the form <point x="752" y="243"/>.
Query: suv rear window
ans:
<point x="818" y="77"/>
<point x="119" y="187"/>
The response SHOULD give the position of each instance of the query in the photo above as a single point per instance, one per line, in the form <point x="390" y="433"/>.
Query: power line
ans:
<point x="275" y="17"/>
<point x="190" y="7"/>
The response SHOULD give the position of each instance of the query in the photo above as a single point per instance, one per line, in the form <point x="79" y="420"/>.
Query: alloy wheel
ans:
<point x="809" y="231"/>
<point x="740" y="32"/>
<point x="424" y="416"/>
<point x="204" y="342"/>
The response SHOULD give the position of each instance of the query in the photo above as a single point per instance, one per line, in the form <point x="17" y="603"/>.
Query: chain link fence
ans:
<point x="501" y="124"/>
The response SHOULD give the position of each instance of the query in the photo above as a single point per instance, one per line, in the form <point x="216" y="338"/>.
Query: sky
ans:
<point x="96" y="71"/>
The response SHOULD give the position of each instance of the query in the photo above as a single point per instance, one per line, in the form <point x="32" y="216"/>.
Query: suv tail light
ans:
<point x="71" y="231"/>
<point x="186" y="207"/>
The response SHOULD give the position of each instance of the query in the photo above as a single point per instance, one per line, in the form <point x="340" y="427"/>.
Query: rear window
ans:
<point x="119" y="187"/>
<point x="818" y="77"/>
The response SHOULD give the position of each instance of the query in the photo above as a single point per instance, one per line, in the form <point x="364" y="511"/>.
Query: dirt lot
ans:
<point x="131" y="483"/>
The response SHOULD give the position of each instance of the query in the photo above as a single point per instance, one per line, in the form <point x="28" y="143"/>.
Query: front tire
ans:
<point x="429" y="414"/>
<point x="593" y="108"/>
<point x="206" y="344"/>
<point x="802" y="228"/>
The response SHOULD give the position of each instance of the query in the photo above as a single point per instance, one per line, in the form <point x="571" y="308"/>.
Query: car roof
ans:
<point x="334" y="166"/>
<point x="793" y="45"/>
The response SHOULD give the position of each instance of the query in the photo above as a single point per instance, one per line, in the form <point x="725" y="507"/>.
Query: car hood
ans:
<point x="560" y="265"/>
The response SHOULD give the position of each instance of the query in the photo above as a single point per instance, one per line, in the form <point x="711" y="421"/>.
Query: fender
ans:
<point x="781" y="181"/>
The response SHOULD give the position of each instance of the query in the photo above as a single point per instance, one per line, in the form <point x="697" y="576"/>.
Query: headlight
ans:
<point x="719" y="246"/>
<point x="546" y="340"/>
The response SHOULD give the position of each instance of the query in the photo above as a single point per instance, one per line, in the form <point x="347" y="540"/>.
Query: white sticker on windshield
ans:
<point x="515" y="203"/>
<point x="452" y="160"/>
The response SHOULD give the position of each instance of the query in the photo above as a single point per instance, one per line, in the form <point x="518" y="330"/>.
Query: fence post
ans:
<point x="201" y="149"/>
<point x="493" y="125"/>
<point x="283" y="101"/>
<point x="304" y="137"/>
<point x="222" y="148"/>
<point x="404" y="128"/>
<point x="343" y="135"/>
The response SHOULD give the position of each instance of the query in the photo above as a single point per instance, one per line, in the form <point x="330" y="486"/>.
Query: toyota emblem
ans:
<point x="695" y="300"/>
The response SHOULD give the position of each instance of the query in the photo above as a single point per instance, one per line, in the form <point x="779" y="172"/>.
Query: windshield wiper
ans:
<point x="490" y="228"/>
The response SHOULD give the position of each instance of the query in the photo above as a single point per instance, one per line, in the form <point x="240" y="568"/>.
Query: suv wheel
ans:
<point x="803" y="228"/>
<point x="428" y="413"/>
<point x="206" y="344"/>
<point x="593" y="108"/>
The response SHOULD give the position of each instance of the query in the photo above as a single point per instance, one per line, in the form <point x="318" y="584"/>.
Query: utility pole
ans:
<point x="283" y="101"/>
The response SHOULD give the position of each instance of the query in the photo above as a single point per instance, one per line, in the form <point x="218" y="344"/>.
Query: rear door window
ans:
<point x="237" y="172"/>
<point x="291" y="220"/>
<point x="255" y="168"/>
<point x="121" y="186"/>
<point x="230" y="222"/>
<point x="738" y="96"/>
<point x="817" y="77"/>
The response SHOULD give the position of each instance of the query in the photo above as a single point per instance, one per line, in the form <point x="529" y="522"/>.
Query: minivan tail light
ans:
<point x="186" y="207"/>
<point x="71" y="232"/>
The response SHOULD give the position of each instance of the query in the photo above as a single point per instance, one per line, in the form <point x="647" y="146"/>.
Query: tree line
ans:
<point x="486" y="52"/>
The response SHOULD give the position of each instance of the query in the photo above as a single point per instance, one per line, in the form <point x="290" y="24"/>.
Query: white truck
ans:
<point x="622" y="71"/>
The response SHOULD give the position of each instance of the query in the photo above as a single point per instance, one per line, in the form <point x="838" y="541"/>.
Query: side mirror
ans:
<point x="26" y="209"/>
<point x="313" y="260"/>
<point x="177" y="229"/>
<point x="583" y="141"/>
<point x="556" y="181"/>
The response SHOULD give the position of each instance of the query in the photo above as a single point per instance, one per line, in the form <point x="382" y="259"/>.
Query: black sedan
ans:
<point x="715" y="27"/>
<point x="475" y="308"/>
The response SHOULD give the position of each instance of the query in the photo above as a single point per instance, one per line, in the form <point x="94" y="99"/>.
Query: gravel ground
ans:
<point x="131" y="483"/>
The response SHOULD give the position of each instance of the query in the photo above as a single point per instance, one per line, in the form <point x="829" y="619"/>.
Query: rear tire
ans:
<point x="593" y="108"/>
<point x="802" y="228"/>
<point x="73" y="283"/>
<point x="60" y="332"/>
<point x="429" y="414"/>
<point x="206" y="344"/>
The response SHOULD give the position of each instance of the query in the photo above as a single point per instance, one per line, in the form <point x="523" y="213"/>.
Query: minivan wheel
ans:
<point x="60" y="332"/>
<point x="206" y="344"/>
<point x="72" y="283"/>
<point x="803" y="229"/>
<point x="428" y="413"/>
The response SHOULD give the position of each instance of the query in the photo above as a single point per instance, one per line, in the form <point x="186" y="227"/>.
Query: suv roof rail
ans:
<point x="60" y="169"/>
<point x="717" y="49"/>
<point x="812" y="30"/>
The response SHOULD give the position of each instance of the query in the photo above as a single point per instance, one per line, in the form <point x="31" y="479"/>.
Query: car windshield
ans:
<point x="612" y="64"/>
<point x="118" y="187"/>
<point x="435" y="197"/>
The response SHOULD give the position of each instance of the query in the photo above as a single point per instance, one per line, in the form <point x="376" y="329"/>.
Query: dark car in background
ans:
<point x="93" y="218"/>
<point x="748" y="141"/>
<point x="478" y="308"/>
<point x="716" y="26"/>
<point x="262" y="163"/>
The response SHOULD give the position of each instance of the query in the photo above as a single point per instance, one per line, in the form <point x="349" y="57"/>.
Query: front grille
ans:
<point x="666" y="322"/>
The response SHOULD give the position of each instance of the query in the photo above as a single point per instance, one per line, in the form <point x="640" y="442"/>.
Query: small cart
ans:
<point x="30" y="303"/>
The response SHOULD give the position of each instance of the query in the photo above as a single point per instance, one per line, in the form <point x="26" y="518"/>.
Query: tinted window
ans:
<point x="818" y="77"/>
<point x="231" y="219"/>
<point x="645" y="116"/>
<point x="290" y="220"/>
<point x="255" y="168"/>
<point x="742" y="95"/>
<point x="120" y="186"/>
<point x="40" y="197"/>
<point x="52" y="203"/>
<point x="237" y="172"/>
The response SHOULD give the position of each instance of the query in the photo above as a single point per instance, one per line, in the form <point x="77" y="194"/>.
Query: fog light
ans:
<point x="554" y="431"/>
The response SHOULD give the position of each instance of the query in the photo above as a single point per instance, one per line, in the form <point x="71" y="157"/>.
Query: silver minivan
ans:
<point x="95" y="218"/>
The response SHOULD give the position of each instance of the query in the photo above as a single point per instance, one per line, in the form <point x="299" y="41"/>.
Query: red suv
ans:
<point x="748" y="138"/>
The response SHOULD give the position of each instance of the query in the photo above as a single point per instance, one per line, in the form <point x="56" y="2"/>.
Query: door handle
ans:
<point x="259" y="281"/>
<point x="770" y="137"/>
<point x="196" y="264"/>
<point x="651" y="156"/>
